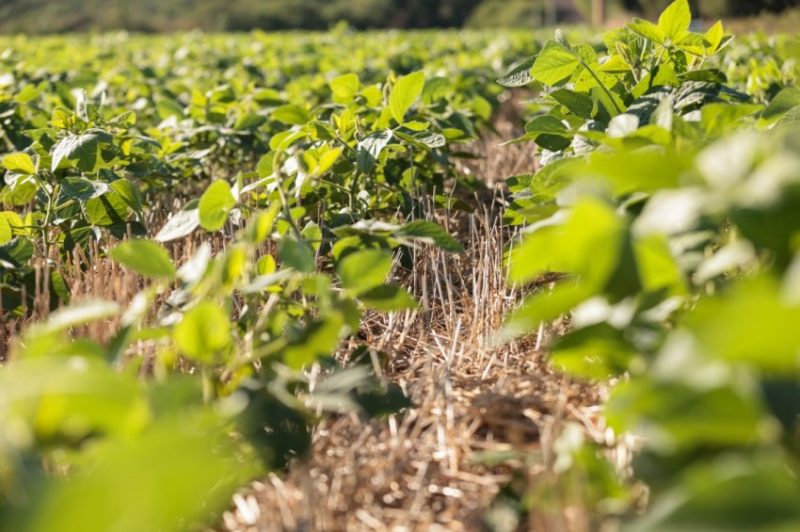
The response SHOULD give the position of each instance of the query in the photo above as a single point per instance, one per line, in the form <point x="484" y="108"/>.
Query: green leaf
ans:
<point x="405" y="94"/>
<point x="615" y="64"/>
<point x="292" y="115"/>
<point x="785" y="101"/>
<point x="215" y="205"/>
<point x="203" y="332"/>
<point x="6" y="233"/>
<point x="543" y="307"/>
<point x="318" y="339"/>
<point x="388" y="298"/>
<point x="78" y="314"/>
<point x="128" y="192"/>
<point x="546" y="125"/>
<point x="182" y="469"/>
<point x="719" y="118"/>
<point x="714" y="36"/>
<point x="429" y="232"/>
<point x="108" y="209"/>
<point x="658" y="269"/>
<point x="83" y="148"/>
<point x="750" y="325"/>
<point x="297" y="254"/>
<point x="674" y="22"/>
<point x="370" y="149"/>
<point x="648" y="30"/>
<point x="180" y="224"/>
<point x="554" y="64"/>
<point x="578" y="104"/>
<point x="345" y="88"/>
<point x="70" y="398"/>
<point x="364" y="270"/>
<point x="20" y="163"/>
<point x="144" y="257"/>
<point x="596" y="352"/>
<point x="15" y="253"/>
<point x="676" y="416"/>
<point x="265" y="165"/>
<point x="588" y="245"/>
<point x="727" y="491"/>
<point x="549" y="133"/>
<point x="519" y="75"/>
<point x="83" y="189"/>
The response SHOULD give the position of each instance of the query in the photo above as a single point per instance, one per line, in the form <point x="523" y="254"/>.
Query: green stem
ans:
<point x="287" y="211"/>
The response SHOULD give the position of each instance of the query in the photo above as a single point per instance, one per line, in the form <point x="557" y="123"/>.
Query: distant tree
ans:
<point x="714" y="8"/>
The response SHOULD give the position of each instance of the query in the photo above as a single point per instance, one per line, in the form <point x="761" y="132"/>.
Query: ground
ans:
<point x="482" y="414"/>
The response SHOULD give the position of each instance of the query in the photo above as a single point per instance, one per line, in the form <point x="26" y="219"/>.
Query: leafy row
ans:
<point x="667" y="205"/>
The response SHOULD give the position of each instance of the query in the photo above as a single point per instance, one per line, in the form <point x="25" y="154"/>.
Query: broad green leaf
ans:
<point x="610" y="101"/>
<point x="578" y="104"/>
<point x="658" y="269"/>
<point x="554" y="64"/>
<point x="720" y="118"/>
<point x="20" y="163"/>
<point x="644" y="170"/>
<point x="549" y="132"/>
<point x="750" y="325"/>
<point x="369" y="149"/>
<point x="70" y="398"/>
<point x="588" y="245"/>
<point x="291" y="114"/>
<point x="180" y="224"/>
<point x="729" y="491"/>
<point x="405" y="94"/>
<point x="615" y="64"/>
<point x="648" y="30"/>
<point x="315" y="341"/>
<point x="145" y="257"/>
<point x="595" y="352"/>
<point x="203" y="332"/>
<point x="519" y="75"/>
<point x="80" y="313"/>
<point x="297" y="254"/>
<point x="128" y="192"/>
<point x="83" y="189"/>
<point x="785" y="101"/>
<point x="676" y="416"/>
<point x="542" y="307"/>
<point x="181" y="470"/>
<point x="714" y="36"/>
<point x="16" y="253"/>
<point x="547" y="125"/>
<point x="265" y="165"/>
<point x="83" y="148"/>
<point x="674" y="22"/>
<point x="6" y="233"/>
<point x="429" y="232"/>
<point x="215" y="205"/>
<point x="364" y="270"/>
<point x="106" y="210"/>
<point x="345" y="88"/>
<point x="388" y="298"/>
<point x="266" y="265"/>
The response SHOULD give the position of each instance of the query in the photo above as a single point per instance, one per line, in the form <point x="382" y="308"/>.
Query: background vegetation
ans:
<point x="45" y="16"/>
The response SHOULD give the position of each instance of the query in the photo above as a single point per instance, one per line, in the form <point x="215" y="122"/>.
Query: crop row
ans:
<point x="667" y="207"/>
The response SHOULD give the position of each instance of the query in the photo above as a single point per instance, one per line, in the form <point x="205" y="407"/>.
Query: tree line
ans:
<point x="43" y="16"/>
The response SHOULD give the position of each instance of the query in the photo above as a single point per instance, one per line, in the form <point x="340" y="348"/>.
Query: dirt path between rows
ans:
<point x="483" y="416"/>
